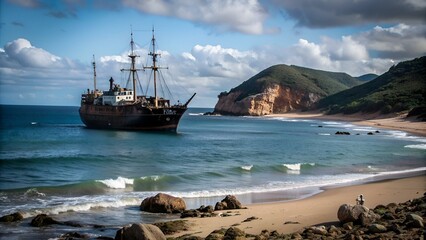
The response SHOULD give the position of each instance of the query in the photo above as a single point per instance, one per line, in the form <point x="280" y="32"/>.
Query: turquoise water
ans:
<point x="50" y="163"/>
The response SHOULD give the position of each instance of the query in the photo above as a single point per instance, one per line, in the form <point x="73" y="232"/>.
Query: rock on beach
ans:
<point x="228" y="203"/>
<point x="163" y="203"/>
<point x="138" y="231"/>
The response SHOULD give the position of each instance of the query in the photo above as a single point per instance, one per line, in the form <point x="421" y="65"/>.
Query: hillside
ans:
<point x="367" y="77"/>
<point x="282" y="88"/>
<point x="402" y="88"/>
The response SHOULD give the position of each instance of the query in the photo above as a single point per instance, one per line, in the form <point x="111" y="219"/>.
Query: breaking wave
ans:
<point x="118" y="183"/>
<point x="417" y="146"/>
<point x="247" y="167"/>
<point x="298" y="166"/>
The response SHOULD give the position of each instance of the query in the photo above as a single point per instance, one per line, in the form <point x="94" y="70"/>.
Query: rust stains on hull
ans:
<point x="131" y="117"/>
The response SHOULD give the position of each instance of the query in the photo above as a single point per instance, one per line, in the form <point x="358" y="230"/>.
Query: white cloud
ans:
<point x="399" y="42"/>
<point x="27" y="71"/>
<point x="216" y="61"/>
<point x="345" y="49"/>
<point x="246" y="16"/>
<point x="21" y="51"/>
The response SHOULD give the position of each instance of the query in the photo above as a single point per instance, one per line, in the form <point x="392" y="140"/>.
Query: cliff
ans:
<point x="280" y="89"/>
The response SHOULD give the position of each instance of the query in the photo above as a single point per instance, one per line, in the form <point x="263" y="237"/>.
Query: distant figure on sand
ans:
<point x="360" y="200"/>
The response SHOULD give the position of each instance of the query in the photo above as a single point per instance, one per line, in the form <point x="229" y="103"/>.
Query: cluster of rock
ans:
<point x="228" y="203"/>
<point x="342" y="133"/>
<point x="393" y="221"/>
<point x="348" y="133"/>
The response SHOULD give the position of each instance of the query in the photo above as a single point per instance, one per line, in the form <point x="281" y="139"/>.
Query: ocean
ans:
<point x="50" y="163"/>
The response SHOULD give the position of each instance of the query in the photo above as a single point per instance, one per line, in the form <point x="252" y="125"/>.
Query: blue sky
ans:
<point x="46" y="47"/>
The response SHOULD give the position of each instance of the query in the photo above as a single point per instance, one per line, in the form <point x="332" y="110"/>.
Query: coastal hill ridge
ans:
<point x="402" y="88"/>
<point x="282" y="88"/>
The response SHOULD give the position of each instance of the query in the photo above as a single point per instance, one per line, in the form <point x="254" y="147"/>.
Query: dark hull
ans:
<point x="131" y="117"/>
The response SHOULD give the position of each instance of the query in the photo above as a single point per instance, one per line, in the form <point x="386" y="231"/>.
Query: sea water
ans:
<point x="50" y="163"/>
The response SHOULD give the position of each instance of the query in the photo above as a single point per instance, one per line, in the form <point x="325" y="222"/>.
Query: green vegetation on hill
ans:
<point x="319" y="82"/>
<point x="402" y="88"/>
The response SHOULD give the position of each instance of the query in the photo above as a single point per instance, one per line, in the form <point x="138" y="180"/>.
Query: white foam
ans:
<point x="403" y="171"/>
<point x="365" y="129"/>
<point x="296" y="166"/>
<point x="283" y="119"/>
<point x="417" y="146"/>
<point x="81" y="207"/>
<point x="195" y="114"/>
<point x="153" y="178"/>
<point x="118" y="183"/>
<point x="247" y="168"/>
<point x="405" y="136"/>
<point x="293" y="167"/>
<point x="307" y="182"/>
<point x="324" y="134"/>
<point x="32" y="192"/>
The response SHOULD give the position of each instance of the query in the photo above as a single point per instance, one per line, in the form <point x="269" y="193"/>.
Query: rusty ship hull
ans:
<point x="131" y="117"/>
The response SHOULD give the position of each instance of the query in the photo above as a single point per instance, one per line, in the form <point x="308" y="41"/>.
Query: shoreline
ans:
<point x="391" y="122"/>
<point x="319" y="209"/>
<point x="288" y="216"/>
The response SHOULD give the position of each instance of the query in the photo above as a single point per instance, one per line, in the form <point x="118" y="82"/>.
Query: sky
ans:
<point x="210" y="46"/>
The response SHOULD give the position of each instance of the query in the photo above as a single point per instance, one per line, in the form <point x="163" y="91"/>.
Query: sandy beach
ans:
<point x="320" y="209"/>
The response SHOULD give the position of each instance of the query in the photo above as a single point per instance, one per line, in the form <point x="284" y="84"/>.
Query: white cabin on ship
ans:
<point x="117" y="95"/>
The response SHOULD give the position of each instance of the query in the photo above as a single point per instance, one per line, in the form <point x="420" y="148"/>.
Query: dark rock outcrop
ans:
<point x="342" y="133"/>
<point x="43" y="220"/>
<point x="172" y="227"/>
<point x="234" y="233"/>
<point x="203" y="211"/>
<point x="140" y="232"/>
<point x="163" y="203"/>
<point x="229" y="202"/>
<point x="14" y="217"/>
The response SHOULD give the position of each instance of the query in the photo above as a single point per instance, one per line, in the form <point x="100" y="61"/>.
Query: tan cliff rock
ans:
<point x="273" y="99"/>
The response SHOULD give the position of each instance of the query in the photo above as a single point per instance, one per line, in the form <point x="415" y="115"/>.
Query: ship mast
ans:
<point x="94" y="75"/>
<point x="154" y="67"/>
<point x="133" y="68"/>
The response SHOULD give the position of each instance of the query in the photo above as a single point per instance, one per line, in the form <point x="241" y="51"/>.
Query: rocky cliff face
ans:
<point x="273" y="99"/>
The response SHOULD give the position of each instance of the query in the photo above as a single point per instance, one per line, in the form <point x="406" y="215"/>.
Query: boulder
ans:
<point x="192" y="213"/>
<point x="206" y="209"/>
<point x="349" y="213"/>
<point x="14" y="217"/>
<point x="43" y="220"/>
<point x="414" y="221"/>
<point x="412" y="216"/>
<point x="229" y="202"/>
<point x="321" y="230"/>
<point x="216" y="234"/>
<point x="138" y="231"/>
<point x="377" y="228"/>
<point x="163" y="203"/>
<point x="234" y="233"/>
